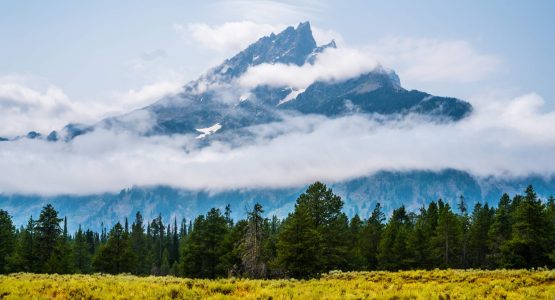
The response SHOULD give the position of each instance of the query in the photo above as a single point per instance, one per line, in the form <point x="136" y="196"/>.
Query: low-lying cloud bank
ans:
<point x="502" y="138"/>
<point x="25" y="106"/>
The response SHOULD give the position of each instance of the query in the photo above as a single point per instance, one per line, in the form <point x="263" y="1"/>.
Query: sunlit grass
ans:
<point x="437" y="284"/>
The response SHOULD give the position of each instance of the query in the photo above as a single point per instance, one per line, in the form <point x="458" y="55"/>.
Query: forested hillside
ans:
<point x="316" y="237"/>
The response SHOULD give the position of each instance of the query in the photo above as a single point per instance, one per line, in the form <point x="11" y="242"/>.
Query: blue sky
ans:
<point x="90" y="50"/>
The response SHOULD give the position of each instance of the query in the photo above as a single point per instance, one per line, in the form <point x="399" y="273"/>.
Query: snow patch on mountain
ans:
<point x="291" y="96"/>
<point x="208" y="130"/>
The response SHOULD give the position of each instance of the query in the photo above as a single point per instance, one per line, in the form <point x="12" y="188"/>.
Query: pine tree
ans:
<point x="117" y="255"/>
<point x="482" y="218"/>
<point x="82" y="257"/>
<point x="370" y="237"/>
<point x="7" y="239"/>
<point x="25" y="257"/>
<point x="464" y="221"/>
<point x="139" y="245"/>
<point x="231" y="259"/>
<point x="203" y="252"/>
<point x="251" y="245"/>
<point x="421" y="241"/>
<point x="356" y="257"/>
<point x="48" y="235"/>
<point x="61" y="260"/>
<point x="174" y="256"/>
<point x="550" y="212"/>
<point x="500" y="231"/>
<point x="528" y="244"/>
<point x="392" y="251"/>
<point x="165" y="266"/>
<point x="298" y="247"/>
<point x="447" y="237"/>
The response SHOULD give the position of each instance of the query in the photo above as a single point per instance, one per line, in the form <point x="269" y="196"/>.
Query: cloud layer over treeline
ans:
<point x="502" y="137"/>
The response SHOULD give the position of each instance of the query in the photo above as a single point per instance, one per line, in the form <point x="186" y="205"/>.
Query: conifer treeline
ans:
<point x="316" y="237"/>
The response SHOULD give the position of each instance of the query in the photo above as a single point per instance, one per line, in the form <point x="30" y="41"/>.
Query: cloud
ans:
<point x="433" y="60"/>
<point x="23" y="109"/>
<point x="416" y="60"/>
<point x="145" y="95"/>
<point x="332" y="64"/>
<point x="502" y="138"/>
<point x="25" y="106"/>
<point x="232" y="37"/>
<point x="227" y="37"/>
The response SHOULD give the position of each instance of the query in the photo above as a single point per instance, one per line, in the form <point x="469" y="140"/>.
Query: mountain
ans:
<point x="217" y="100"/>
<point x="392" y="189"/>
<point x="216" y="105"/>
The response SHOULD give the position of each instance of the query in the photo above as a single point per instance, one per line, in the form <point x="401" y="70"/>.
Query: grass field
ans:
<point x="437" y="284"/>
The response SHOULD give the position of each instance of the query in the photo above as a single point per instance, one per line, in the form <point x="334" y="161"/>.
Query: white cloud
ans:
<point x="332" y="64"/>
<point x="147" y="94"/>
<point x="25" y="106"/>
<point x="232" y="37"/>
<point x="501" y="138"/>
<point x="433" y="60"/>
<point x="228" y="37"/>
<point x="23" y="109"/>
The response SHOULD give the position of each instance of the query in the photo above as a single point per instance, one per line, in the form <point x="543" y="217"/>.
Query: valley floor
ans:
<point x="437" y="284"/>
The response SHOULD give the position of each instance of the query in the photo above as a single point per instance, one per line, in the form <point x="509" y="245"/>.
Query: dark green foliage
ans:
<point x="370" y="238"/>
<point x="529" y="243"/>
<point x="319" y="225"/>
<point x="7" y="239"/>
<point x="81" y="255"/>
<point x="393" y="252"/>
<point x="298" y="245"/>
<point x="203" y="252"/>
<point x="315" y="238"/>
<point x="117" y="255"/>
<point x="447" y="237"/>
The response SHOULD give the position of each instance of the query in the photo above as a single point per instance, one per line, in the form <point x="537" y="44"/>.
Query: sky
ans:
<point x="64" y="61"/>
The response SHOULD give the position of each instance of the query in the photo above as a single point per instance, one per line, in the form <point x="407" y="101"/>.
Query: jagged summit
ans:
<point x="217" y="99"/>
<point x="291" y="46"/>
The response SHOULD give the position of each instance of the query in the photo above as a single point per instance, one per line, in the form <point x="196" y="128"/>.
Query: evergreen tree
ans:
<point x="62" y="259"/>
<point x="356" y="256"/>
<point x="165" y="266"/>
<point x="550" y="208"/>
<point x="269" y="252"/>
<point x="82" y="257"/>
<point x="139" y="245"/>
<point x="392" y="251"/>
<point x="447" y="237"/>
<point x="420" y="243"/>
<point x="370" y="237"/>
<point x="174" y="255"/>
<point x="528" y="244"/>
<point x="7" y="239"/>
<point x="500" y="231"/>
<point x="157" y="239"/>
<point x="464" y="221"/>
<point x="298" y="247"/>
<point x="251" y="245"/>
<point x="48" y="235"/>
<point x="327" y="225"/>
<point x="482" y="218"/>
<point x="25" y="257"/>
<point x="231" y="259"/>
<point x="203" y="252"/>
<point x="117" y="255"/>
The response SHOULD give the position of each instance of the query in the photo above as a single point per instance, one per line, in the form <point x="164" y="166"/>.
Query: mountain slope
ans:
<point x="392" y="189"/>
<point x="217" y="97"/>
